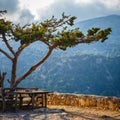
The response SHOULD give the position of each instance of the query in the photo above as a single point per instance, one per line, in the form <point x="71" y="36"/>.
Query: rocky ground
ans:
<point x="61" y="113"/>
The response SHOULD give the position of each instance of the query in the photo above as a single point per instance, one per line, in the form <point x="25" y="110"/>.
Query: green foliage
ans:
<point x="5" y="26"/>
<point x="69" y="38"/>
<point x="28" y="34"/>
<point x="98" y="34"/>
<point x="53" y="32"/>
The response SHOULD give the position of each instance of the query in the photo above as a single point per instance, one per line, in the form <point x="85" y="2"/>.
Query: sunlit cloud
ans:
<point x="35" y="5"/>
<point x="84" y="1"/>
<point x="43" y="9"/>
<point x="111" y="4"/>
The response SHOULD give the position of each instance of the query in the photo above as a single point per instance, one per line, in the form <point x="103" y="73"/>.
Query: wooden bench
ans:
<point x="24" y="98"/>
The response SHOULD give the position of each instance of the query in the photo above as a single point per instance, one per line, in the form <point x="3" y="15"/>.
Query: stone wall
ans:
<point x="99" y="102"/>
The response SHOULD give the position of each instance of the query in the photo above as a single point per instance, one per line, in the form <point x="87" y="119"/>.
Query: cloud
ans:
<point x="83" y="9"/>
<point x="58" y="7"/>
<point x="84" y="1"/>
<point x="28" y="10"/>
<point x="113" y="4"/>
<point x="25" y="17"/>
<point x="15" y="13"/>
<point x="10" y="5"/>
<point x="33" y="6"/>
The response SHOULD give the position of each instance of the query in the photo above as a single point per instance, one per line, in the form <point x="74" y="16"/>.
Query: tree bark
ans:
<point x="13" y="72"/>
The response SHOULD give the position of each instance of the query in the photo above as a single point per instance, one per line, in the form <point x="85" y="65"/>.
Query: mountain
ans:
<point x="111" y="46"/>
<point x="85" y="69"/>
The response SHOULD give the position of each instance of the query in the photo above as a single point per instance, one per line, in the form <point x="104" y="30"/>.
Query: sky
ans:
<point x="27" y="11"/>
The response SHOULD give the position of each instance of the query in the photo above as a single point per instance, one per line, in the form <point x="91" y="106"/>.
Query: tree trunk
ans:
<point x="33" y="68"/>
<point x="13" y="72"/>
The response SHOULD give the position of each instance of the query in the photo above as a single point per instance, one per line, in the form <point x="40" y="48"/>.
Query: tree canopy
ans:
<point x="54" y="33"/>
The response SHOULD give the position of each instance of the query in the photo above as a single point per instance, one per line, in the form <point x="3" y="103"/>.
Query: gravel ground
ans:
<point x="61" y="113"/>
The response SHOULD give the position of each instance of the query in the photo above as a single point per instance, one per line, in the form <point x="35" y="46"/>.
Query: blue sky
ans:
<point x="34" y="10"/>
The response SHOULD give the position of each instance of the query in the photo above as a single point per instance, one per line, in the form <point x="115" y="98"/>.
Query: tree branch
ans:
<point x="34" y="67"/>
<point x="7" y="44"/>
<point x="6" y="54"/>
<point x="21" y="48"/>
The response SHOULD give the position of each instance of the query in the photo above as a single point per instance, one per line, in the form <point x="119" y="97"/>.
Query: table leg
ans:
<point x="16" y="100"/>
<point x="45" y="100"/>
<point x="21" y="101"/>
<point x="33" y="100"/>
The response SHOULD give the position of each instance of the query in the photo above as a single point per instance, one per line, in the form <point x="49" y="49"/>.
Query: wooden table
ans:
<point x="33" y="95"/>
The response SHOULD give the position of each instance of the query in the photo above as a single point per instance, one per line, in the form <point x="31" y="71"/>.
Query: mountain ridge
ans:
<point x="85" y="69"/>
<point x="115" y="16"/>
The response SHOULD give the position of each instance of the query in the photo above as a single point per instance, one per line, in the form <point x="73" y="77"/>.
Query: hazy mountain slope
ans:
<point x="85" y="74"/>
<point x="85" y="69"/>
<point x="110" y="47"/>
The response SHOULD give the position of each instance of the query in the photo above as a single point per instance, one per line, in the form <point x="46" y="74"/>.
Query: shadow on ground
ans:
<point x="52" y="114"/>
